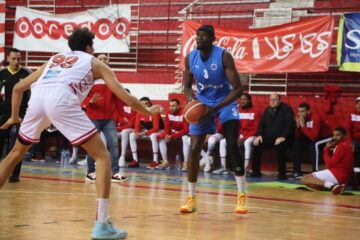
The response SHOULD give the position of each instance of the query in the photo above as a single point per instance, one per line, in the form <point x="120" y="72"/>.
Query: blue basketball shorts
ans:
<point x="227" y="113"/>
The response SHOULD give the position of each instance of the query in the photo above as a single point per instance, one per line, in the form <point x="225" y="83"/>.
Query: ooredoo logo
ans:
<point x="103" y="28"/>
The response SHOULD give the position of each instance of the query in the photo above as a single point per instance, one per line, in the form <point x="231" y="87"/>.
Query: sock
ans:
<point x="155" y="156"/>
<point x="75" y="152"/>
<point x="192" y="187"/>
<point x="246" y="163"/>
<point x="135" y="156"/>
<point x="223" y="162"/>
<point x="240" y="182"/>
<point x="163" y="150"/>
<point x="328" y="185"/>
<point x="102" y="205"/>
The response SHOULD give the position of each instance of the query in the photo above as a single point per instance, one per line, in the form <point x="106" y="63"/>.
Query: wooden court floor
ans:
<point x="53" y="204"/>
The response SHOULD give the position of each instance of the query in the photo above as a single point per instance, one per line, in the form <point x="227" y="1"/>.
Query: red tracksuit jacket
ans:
<point x="314" y="128"/>
<point x="124" y="117"/>
<point x="105" y="107"/>
<point x="249" y="121"/>
<point x="175" y="125"/>
<point x="341" y="162"/>
<point x="151" y="123"/>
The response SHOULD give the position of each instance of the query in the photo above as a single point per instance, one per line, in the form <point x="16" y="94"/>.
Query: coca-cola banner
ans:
<point x="45" y="32"/>
<point x="303" y="46"/>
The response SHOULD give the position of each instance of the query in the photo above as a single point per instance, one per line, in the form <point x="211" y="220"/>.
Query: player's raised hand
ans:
<point x="10" y="122"/>
<point x="95" y="98"/>
<point x="156" y="109"/>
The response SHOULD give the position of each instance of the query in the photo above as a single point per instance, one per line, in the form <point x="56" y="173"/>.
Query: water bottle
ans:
<point x="177" y="161"/>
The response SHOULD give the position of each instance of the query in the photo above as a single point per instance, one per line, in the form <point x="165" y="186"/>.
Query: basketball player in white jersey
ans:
<point x="57" y="88"/>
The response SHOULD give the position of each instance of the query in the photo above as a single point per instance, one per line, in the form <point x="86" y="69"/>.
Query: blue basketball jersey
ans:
<point x="211" y="81"/>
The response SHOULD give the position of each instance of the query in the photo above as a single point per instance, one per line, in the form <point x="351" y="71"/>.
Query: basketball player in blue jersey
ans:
<point x="218" y="86"/>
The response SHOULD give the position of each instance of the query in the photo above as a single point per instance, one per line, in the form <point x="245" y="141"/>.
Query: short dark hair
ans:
<point x="340" y="129"/>
<point x="209" y="29"/>
<point x="248" y="96"/>
<point x="305" y="105"/>
<point x="13" y="50"/>
<point x="175" y="100"/>
<point x="145" y="99"/>
<point x="80" y="39"/>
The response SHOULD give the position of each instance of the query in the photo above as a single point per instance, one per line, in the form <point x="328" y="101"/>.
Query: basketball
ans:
<point x="193" y="111"/>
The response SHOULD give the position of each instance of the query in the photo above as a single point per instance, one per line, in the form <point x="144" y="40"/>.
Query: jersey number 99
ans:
<point x="63" y="62"/>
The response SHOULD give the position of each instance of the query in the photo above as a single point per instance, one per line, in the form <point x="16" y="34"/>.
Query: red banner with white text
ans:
<point x="303" y="46"/>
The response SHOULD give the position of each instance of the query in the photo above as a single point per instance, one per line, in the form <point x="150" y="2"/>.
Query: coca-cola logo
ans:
<point x="103" y="28"/>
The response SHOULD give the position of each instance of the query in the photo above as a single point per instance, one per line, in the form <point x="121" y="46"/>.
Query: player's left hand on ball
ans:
<point x="10" y="122"/>
<point x="209" y="112"/>
<point x="156" y="109"/>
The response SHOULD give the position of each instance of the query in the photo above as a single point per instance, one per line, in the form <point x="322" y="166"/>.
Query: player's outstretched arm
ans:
<point x="234" y="79"/>
<point x="17" y="95"/>
<point x="102" y="71"/>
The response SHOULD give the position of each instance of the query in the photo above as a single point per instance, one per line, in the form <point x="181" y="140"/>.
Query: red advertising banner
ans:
<point x="303" y="46"/>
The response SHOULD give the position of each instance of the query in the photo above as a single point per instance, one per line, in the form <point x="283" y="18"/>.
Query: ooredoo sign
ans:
<point x="44" y="32"/>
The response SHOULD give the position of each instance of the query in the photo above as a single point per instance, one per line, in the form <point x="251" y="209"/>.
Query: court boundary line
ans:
<point x="124" y="184"/>
<point x="281" y="210"/>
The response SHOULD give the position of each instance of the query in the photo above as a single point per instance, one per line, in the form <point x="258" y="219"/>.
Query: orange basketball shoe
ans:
<point x="189" y="206"/>
<point x="241" y="207"/>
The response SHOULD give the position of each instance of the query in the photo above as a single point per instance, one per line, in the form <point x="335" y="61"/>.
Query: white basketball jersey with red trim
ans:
<point x="72" y="69"/>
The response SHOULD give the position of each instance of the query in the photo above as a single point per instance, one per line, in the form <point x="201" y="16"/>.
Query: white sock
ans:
<point x="133" y="146"/>
<point x="163" y="150"/>
<point x="223" y="162"/>
<point x="156" y="158"/>
<point x="124" y="140"/>
<point x="246" y="163"/>
<point x="240" y="182"/>
<point x="192" y="187"/>
<point x="135" y="156"/>
<point x="186" y="147"/>
<point x="328" y="185"/>
<point x="102" y="206"/>
<point x="75" y="152"/>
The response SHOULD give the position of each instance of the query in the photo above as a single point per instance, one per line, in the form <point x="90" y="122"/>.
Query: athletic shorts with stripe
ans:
<point x="56" y="105"/>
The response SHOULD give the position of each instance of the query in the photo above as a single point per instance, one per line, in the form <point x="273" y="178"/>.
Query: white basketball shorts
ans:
<point x="61" y="107"/>
<point x="326" y="175"/>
